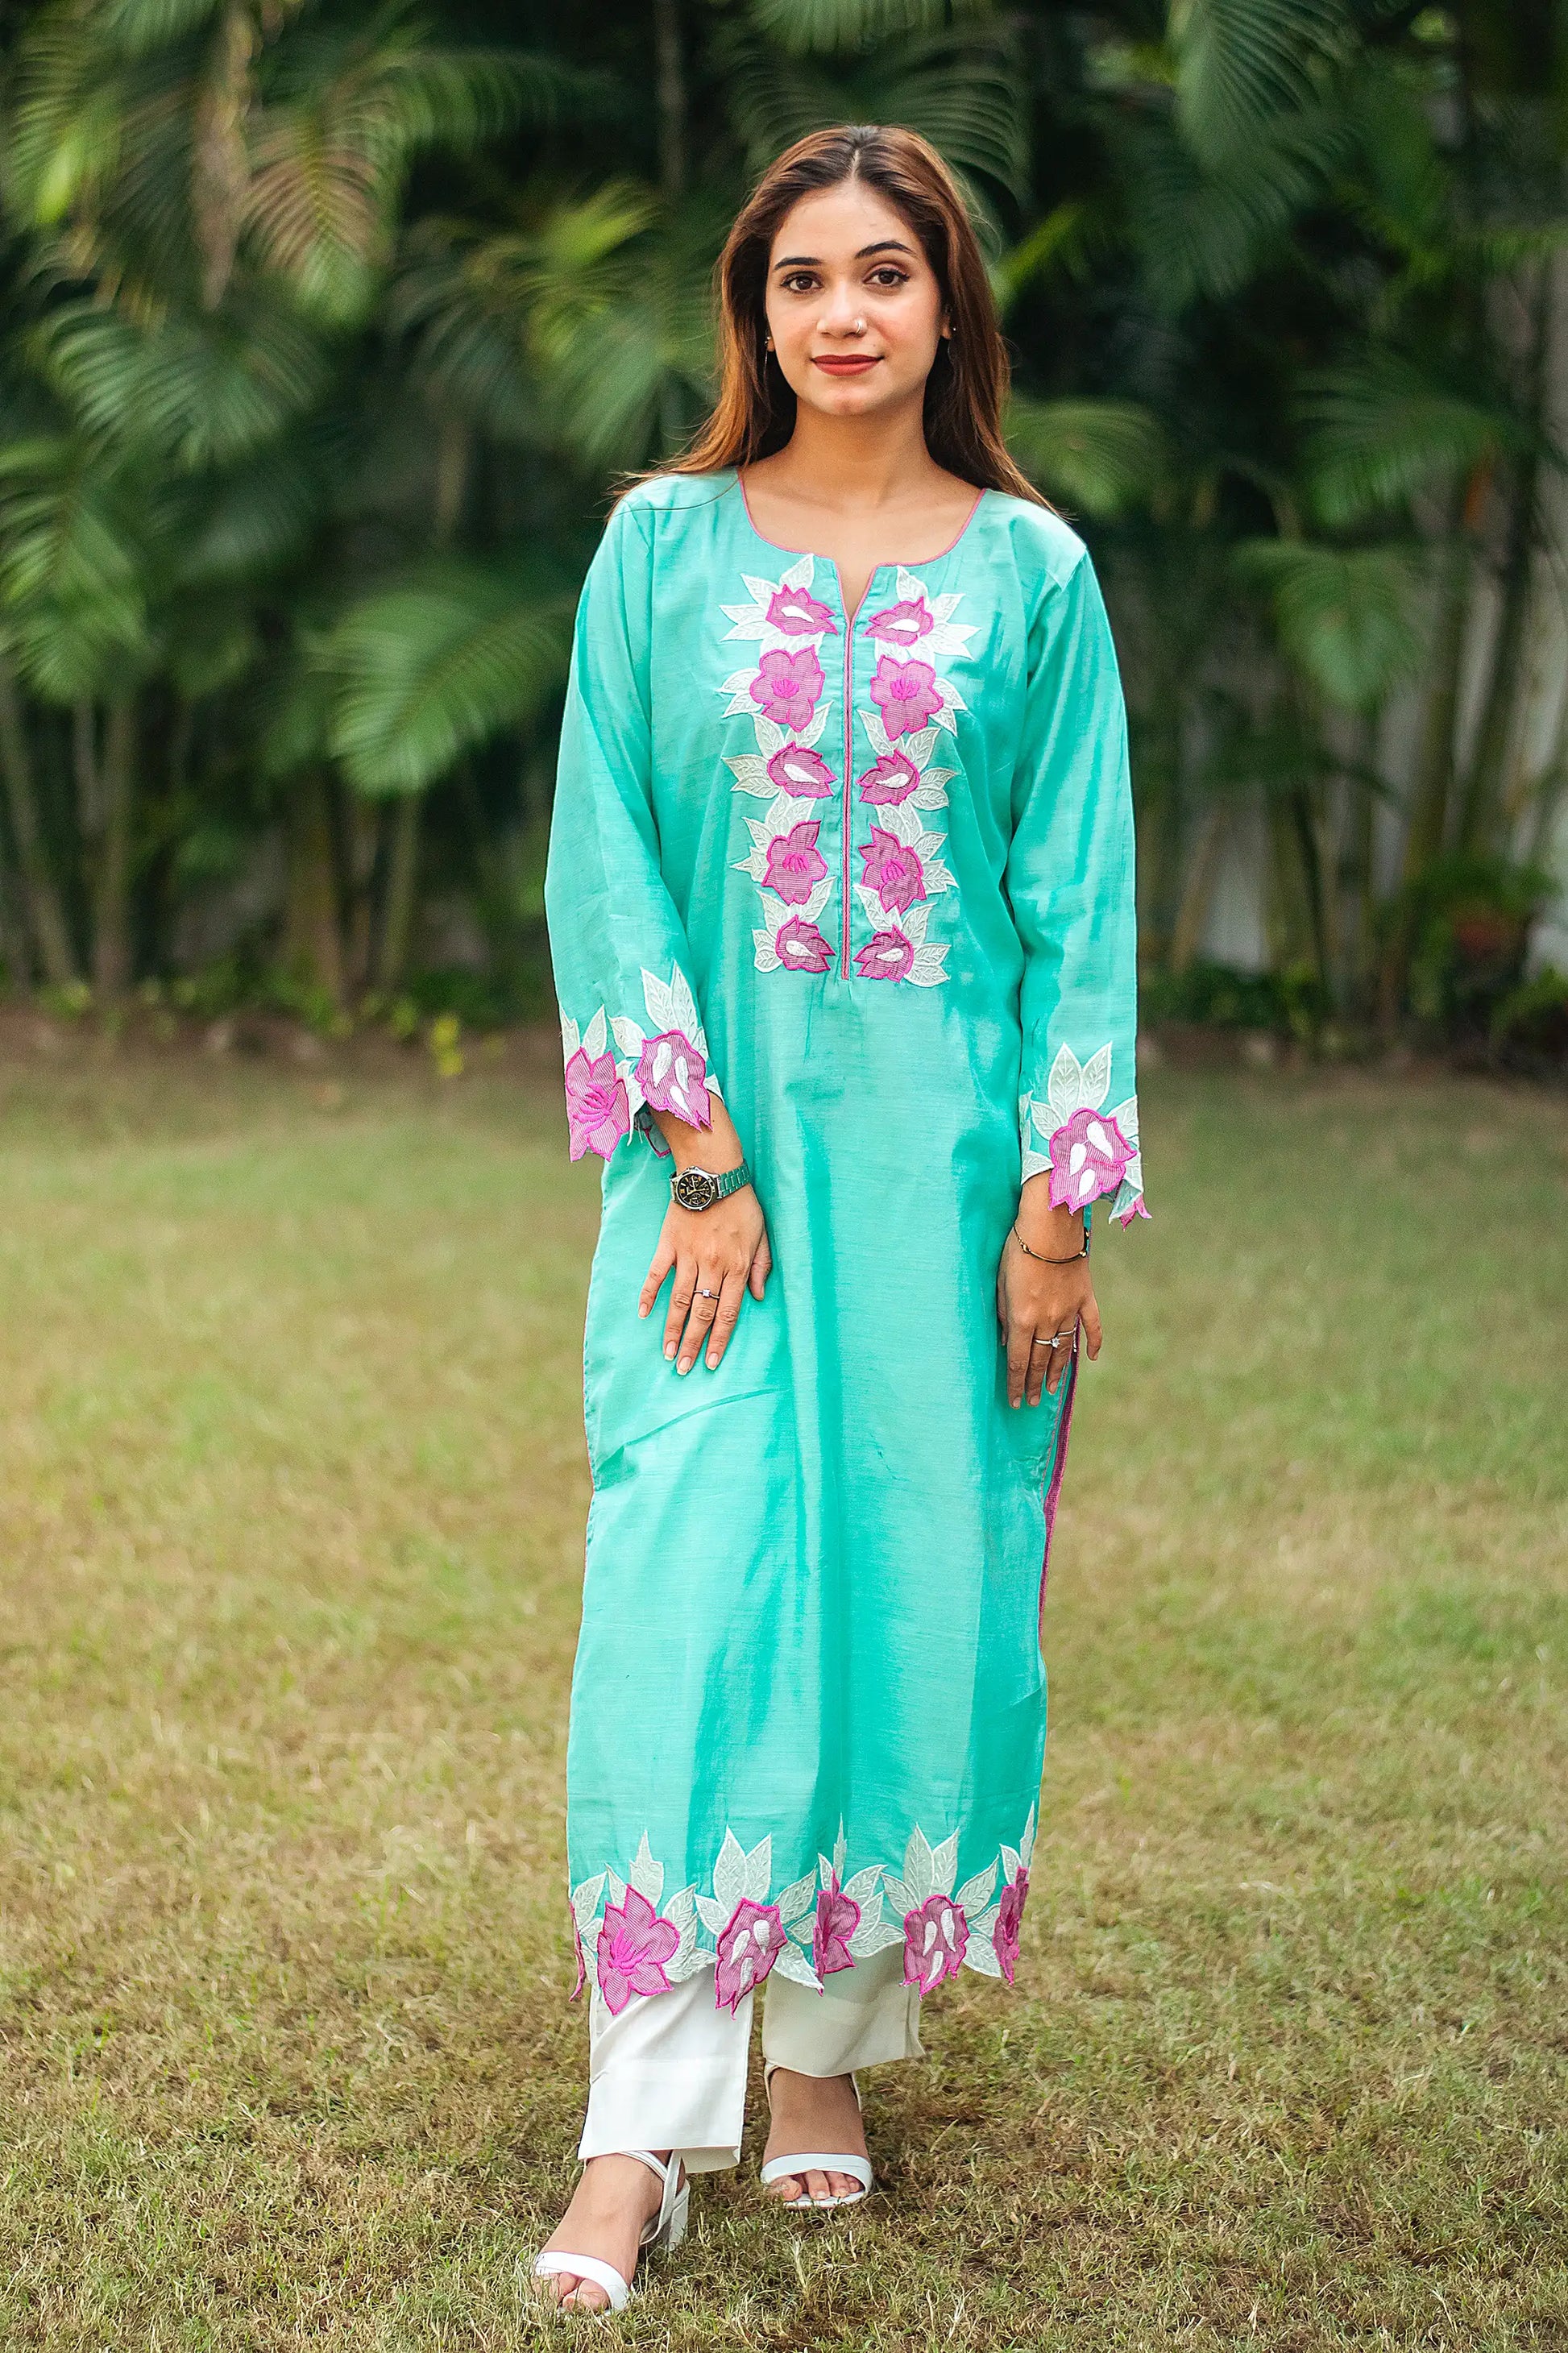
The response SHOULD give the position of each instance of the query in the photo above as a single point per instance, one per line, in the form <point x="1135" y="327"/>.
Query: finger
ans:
<point x="1091" y="1331"/>
<point x="762" y="1267"/>
<point x="725" y="1318"/>
<point x="704" y="1304"/>
<point x="1061" y="1362"/>
<point x="1042" y="1362"/>
<point x="685" y="1283"/>
<point x="658" y="1266"/>
<point x="1019" y="1337"/>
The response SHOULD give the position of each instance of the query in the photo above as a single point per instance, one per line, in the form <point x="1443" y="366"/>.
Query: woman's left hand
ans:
<point x="1038" y="1304"/>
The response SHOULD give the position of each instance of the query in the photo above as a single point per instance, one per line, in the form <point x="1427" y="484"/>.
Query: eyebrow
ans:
<point x="813" y="261"/>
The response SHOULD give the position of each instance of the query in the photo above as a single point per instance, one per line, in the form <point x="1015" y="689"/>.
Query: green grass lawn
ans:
<point x="292" y="1492"/>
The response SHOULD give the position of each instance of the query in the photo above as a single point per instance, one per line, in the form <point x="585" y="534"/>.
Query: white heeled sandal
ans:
<point x="667" y="2230"/>
<point x="781" y="2168"/>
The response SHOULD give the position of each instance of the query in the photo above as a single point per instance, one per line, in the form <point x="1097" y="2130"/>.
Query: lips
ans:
<point x="855" y="365"/>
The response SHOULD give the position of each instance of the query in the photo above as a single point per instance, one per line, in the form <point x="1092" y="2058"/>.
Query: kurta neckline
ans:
<point x="889" y="564"/>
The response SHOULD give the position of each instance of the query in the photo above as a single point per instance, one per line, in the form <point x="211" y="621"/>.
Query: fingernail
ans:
<point x="669" y="1353"/>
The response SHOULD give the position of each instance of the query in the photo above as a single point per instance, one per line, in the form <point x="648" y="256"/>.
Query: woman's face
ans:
<point x="854" y="307"/>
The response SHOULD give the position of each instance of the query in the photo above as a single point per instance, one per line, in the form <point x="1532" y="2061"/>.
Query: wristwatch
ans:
<point x="699" y="1188"/>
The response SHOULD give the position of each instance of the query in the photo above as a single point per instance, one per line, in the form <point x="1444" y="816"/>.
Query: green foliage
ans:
<point x="1345" y="617"/>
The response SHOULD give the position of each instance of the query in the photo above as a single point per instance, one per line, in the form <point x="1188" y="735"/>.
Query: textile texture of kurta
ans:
<point x="870" y="880"/>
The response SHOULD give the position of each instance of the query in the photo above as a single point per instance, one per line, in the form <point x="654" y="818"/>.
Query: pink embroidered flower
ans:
<point x="902" y="624"/>
<point x="747" y="1946"/>
<point x="633" y="1944"/>
<point x="837" y="1917"/>
<point x="892" y="870"/>
<point x="1009" y="1919"/>
<point x="935" y="1938"/>
<point x="886" y="955"/>
<point x="796" y="612"/>
<point x="794" y="864"/>
<point x="786" y="687"/>
<point x="893" y="778"/>
<point x="1135" y="1209"/>
<point x="671" y="1074"/>
<point x="1089" y="1156"/>
<point x="597" y="1113"/>
<point x="804" y="774"/>
<point x="582" y="1960"/>
<point x="906" y="694"/>
<point x="800" y="946"/>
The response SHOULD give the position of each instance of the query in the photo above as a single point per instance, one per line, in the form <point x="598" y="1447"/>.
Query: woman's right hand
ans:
<point x="716" y="1255"/>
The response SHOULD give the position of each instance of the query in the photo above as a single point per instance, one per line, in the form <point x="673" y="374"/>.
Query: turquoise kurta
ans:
<point x="871" y="880"/>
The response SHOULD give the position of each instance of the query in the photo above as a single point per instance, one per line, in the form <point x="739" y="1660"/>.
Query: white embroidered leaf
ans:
<point x="1027" y="1844"/>
<point x="1126" y="1118"/>
<point x="686" y="1959"/>
<point x="799" y="575"/>
<point x="911" y="589"/>
<point x="655" y="997"/>
<point x="759" y="1871"/>
<point x="615" y="1890"/>
<point x="770" y="735"/>
<point x="818" y="899"/>
<point x="949" y="641"/>
<point x="975" y="1893"/>
<point x="1012" y="1863"/>
<point x="571" y="1037"/>
<point x="681" y="1910"/>
<point x="840" y="1848"/>
<point x="929" y="966"/>
<point x="945" y="1866"/>
<point x="980" y="1953"/>
<point x="900" y="1894"/>
<point x="750" y="771"/>
<point x="1035" y="1163"/>
<point x="919" y="1870"/>
<point x="1095" y="1078"/>
<point x="767" y="958"/>
<point x="628" y="1074"/>
<point x="646" y="1875"/>
<point x="866" y="1886"/>
<point x="775" y="911"/>
<point x="1045" y="1118"/>
<point x="710" y="1083"/>
<point x="685" y="1005"/>
<point x="825" y="1872"/>
<point x="875" y="914"/>
<point x="586" y="1901"/>
<point x="1064" y="1088"/>
<point x="798" y="1897"/>
<point x="878" y="734"/>
<point x="761" y="592"/>
<point x="808" y="735"/>
<point x="944" y="606"/>
<point x="627" y="1036"/>
<point x="713" y="1914"/>
<point x="791" y="1962"/>
<point x="944" y="717"/>
<point x="745" y="622"/>
<point x="875" y="1939"/>
<point x="730" y="1874"/>
<point x="914" y="920"/>
<point x="938" y="878"/>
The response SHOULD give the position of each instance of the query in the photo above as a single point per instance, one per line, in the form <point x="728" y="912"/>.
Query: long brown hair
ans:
<point x="754" y="413"/>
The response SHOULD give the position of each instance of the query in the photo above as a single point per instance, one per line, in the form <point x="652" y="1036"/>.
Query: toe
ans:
<point x="816" y="2187"/>
<point x="842" y="2185"/>
<point x="787" y="2189"/>
<point x="584" y="2296"/>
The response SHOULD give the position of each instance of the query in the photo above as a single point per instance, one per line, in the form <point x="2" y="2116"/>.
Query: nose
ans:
<point x="840" y="316"/>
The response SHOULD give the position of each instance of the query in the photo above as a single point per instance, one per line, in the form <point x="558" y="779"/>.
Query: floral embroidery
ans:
<point x="802" y="773"/>
<point x="786" y="687"/>
<point x="633" y="1944"/>
<point x="667" y="1070"/>
<point x="597" y="1112"/>
<point x="1009" y="1919"/>
<point x="892" y="777"/>
<point x="800" y="946"/>
<point x="906" y="694"/>
<point x="793" y="864"/>
<point x="893" y="870"/>
<point x="810" y="1930"/>
<point x="797" y="612"/>
<point x="1087" y="1155"/>
<point x="904" y="623"/>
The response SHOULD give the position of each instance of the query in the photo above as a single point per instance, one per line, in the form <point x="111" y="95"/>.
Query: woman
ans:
<point x="840" y="899"/>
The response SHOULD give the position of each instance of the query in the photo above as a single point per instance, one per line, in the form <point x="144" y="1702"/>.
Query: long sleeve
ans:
<point x="631" y="1029"/>
<point x="1071" y="883"/>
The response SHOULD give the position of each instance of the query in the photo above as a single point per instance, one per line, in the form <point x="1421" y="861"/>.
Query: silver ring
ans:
<point x="707" y="1294"/>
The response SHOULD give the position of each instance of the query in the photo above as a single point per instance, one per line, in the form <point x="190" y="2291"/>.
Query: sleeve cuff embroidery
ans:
<point x="664" y="1068"/>
<point x="1089" y="1151"/>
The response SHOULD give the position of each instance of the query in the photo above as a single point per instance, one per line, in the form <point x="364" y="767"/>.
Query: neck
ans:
<point x="856" y="464"/>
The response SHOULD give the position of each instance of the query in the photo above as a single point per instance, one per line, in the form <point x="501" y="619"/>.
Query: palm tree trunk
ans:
<point x="112" y="882"/>
<point x="1494" y="735"/>
<point x="1197" y="886"/>
<point x="670" y="86"/>
<point x="313" y="945"/>
<point x="45" y="910"/>
<point x="402" y="880"/>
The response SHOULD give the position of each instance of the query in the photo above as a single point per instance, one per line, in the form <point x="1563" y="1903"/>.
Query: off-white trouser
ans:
<point x="670" y="2072"/>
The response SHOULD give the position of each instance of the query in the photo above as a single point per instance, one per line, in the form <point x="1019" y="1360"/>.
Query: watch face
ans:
<point x="695" y="1190"/>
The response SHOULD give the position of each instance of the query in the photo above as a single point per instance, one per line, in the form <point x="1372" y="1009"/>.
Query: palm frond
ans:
<point x="1097" y="456"/>
<point x="1205" y="233"/>
<point x="1346" y="616"/>
<point x="73" y="603"/>
<point x="1241" y="64"/>
<point x="1380" y="430"/>
<point x="200" y="391"/>
<point x="801" y="27"/>
<point x="427" y="670"/>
